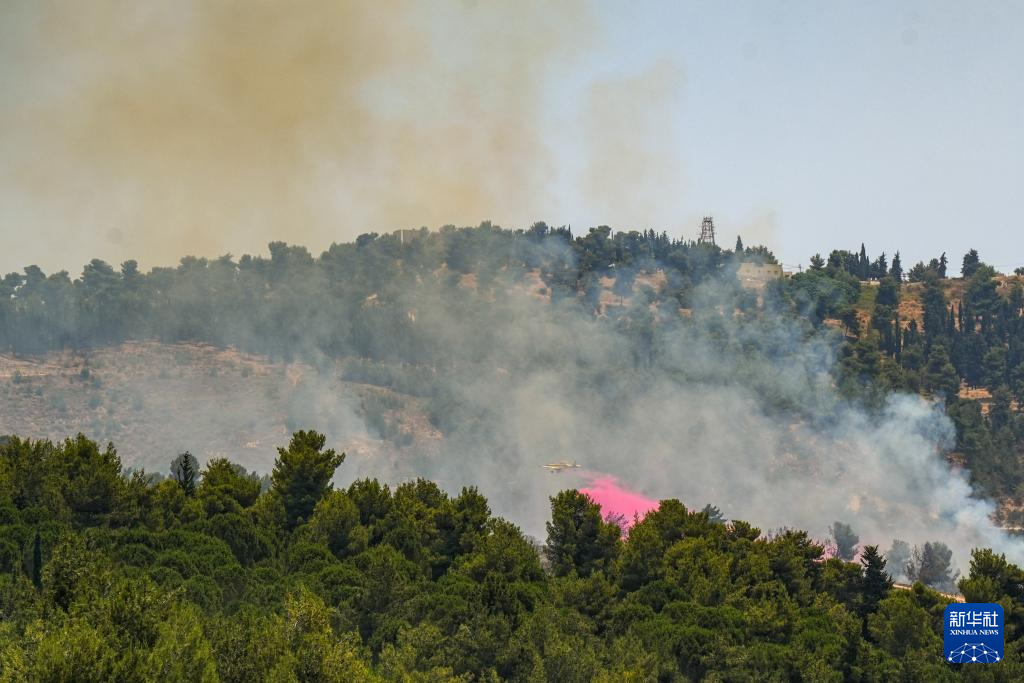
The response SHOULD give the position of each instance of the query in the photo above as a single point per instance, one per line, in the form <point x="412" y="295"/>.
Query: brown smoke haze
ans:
<point x="629" y="127"/>
<point x="152" y="130"/>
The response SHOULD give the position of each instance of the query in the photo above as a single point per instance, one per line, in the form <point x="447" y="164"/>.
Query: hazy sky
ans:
<point x="155" y="130"/>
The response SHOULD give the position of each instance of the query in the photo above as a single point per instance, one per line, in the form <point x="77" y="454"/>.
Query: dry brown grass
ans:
<point x="910" y="295"/>
<point x="656" y="280"/>
<point x="154" y="400"/>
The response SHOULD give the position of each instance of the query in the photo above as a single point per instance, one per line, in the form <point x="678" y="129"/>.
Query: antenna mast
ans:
<point x="707" y="231"/>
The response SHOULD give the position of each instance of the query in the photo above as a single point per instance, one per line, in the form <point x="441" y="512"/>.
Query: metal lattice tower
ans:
<point x="707" y="231"/>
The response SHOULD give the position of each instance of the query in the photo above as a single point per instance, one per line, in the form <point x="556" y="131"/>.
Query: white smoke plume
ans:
<point x="725" y="402"/>
<point x="740" y="411"/>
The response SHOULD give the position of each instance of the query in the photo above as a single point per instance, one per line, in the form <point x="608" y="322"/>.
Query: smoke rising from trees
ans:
<point x="740" y="412"/>
<point x="681" y="386"/>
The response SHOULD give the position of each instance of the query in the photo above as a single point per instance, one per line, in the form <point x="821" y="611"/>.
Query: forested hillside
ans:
<point x="426" y="314"/>
<point x="206" y="576"/>
<point x="848" y="399"/>
<point x="961" y="340"/>
<point x="257" y="424"/>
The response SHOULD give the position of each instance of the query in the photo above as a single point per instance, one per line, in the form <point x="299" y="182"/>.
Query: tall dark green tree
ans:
<point x="231" y="479"/>
<point x="971" y="263"/>
<point x="879" y="268"/>
<point x="939" y="376"/>
<point x="185" y="470"/>
<point x="93" y="481"/>
<point x="863" y="264"/>
<point x="37" y="561"/>
<point x="896" y="269"/>
<point x="302" y="474"/>
<point x="579" y="540"/>
<point x="877" y="582"/>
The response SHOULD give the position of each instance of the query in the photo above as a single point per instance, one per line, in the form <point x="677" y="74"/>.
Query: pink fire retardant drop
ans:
<point x="617" y="502"/>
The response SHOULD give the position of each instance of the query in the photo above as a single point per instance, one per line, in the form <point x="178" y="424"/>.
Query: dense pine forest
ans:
<point x="204" y="571"/>
<point x="204" y="576"/>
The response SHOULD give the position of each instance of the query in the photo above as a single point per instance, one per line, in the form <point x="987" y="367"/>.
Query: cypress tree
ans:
<point x="897" y="336"/>
<point x="896" y="270"/>
<point x="185" y="469"/>
<point x="933" y="301"/>
<point x="37" y="561"/>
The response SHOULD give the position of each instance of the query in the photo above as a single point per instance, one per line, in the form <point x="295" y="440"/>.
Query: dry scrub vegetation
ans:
<point x="155" y="400"/>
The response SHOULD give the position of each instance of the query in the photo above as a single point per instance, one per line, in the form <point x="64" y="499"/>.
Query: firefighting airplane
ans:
<point x="556" y="467"/>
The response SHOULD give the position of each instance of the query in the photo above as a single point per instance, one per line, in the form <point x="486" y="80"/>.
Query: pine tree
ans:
<point x="714" y="514"/>
<point x="846" y="540"/>
<point x="876" y="582"/>
<point x="943" y="262"/>
<point x="739" y="246"/>
<point x="37" y="561"/>
<point x="302" y="474"/>
<point x="931" y="565"/>
<point x="971" y="263"/>
<point x="578" y="539"/>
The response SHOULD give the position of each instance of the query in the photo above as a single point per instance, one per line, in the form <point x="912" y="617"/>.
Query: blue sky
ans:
<point x="899" y="124"/>
<point x="807" y="126"/>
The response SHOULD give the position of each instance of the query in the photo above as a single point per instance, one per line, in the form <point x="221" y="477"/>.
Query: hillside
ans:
<point x="911" y="308"/>
<point x="477" y="355"/>
<point x="156" y="400"/>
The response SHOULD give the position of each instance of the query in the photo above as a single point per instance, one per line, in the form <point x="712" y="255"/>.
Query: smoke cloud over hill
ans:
<point x="143" y="131"/>
<point x="731" y="401"/>
<point x="737" y="411"/>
